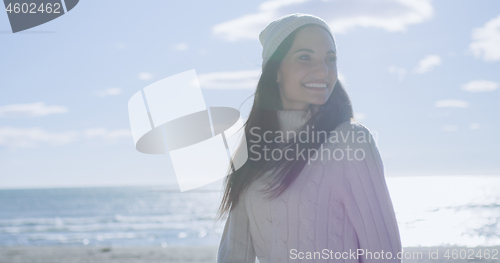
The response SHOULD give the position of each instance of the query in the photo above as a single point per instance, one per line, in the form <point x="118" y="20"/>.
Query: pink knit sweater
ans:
<point x="337" y="210"/>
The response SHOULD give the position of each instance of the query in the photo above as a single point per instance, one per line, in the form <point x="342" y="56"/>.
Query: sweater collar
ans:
<point x="293" y="120"/>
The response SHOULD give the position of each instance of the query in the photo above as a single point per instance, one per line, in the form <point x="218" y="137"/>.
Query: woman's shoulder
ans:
<point x="348" y="141"/>
<point x="352" y="145"/>
<point x="351" y="131"/>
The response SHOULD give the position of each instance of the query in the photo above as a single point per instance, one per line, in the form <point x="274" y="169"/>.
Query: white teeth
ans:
<point x="315" y="85"/>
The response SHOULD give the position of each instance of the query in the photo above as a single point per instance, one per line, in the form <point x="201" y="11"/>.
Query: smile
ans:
<point x="315" y="86"/>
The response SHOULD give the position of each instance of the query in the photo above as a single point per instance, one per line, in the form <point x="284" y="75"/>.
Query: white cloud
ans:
<point x="145" y="76"/>
<point x="108" y="92"/>
<point x="359" y="116"/>
<point x="30" y="137"/>
<point x="245" y="27"/>
<point x="341" y="77"/>
<point x="451" y="103"/>
<point x="449" y="128"/>
<point x="390" y="15"/>
<point x="474" y="126"/>
<point x="400" y="72"/>
<point x="243" y="79"/>
<point x="181" y="46"/>
<point x="105" y="134"/>
<point x="427" y="63"/>
<point x="480" y="86"/>
<point x="36" y="109"/>
<point x="486" y="41"/>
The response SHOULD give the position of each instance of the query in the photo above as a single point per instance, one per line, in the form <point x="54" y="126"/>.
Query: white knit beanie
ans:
<point x="274" y="33"/>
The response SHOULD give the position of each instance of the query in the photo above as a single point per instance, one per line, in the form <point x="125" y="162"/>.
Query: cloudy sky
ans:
<point x="423" y="76"/>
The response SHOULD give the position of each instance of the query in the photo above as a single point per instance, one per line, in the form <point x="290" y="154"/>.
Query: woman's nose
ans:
<point x="321" y="69"/>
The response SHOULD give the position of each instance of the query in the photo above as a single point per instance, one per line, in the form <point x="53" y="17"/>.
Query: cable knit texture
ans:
<point x="337" y="204"/>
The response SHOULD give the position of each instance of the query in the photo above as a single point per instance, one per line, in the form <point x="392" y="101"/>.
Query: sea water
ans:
<point x="431" y="211"/>
<point x="116" y="216"/>
<point x="447" y="210"/>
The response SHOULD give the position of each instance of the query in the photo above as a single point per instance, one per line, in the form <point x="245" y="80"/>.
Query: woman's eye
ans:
<point x="305" y="57"/>
<point x="332" y="59"/>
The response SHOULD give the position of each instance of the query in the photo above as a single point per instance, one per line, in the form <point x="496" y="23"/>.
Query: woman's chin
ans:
<point x="319" y="101"/>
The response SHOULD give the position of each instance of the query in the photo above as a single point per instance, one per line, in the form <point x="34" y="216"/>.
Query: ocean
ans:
<point x="114" y="216"/>
<point x="431" y="211"/>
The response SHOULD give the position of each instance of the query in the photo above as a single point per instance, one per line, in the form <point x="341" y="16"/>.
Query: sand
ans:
<point x="192" y="254"/>
<point x="107" y="254"/>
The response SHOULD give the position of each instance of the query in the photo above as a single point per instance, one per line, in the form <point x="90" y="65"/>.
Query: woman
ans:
<point x="313" y="188"/>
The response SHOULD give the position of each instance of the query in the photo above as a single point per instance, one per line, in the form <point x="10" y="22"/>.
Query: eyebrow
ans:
<point x="311" y="51"/>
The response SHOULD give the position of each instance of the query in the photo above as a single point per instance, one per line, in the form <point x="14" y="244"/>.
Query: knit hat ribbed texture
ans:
<point x="276" y="31"/>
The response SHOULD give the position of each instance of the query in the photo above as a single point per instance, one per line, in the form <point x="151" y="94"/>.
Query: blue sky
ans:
<point x="422" y="75"/>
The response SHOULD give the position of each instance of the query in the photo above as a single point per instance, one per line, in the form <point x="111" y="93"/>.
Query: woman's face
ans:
<point x="308" y="71"/>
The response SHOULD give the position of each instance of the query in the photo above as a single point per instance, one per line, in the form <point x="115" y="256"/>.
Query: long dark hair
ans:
<point x="266" y="104"/>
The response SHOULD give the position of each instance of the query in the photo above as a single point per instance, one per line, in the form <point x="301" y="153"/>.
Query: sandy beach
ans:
<point x="204" y="254"/>
<point x="107" y="254"/>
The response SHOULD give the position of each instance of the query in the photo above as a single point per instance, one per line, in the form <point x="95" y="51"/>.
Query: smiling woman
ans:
<point x="279" y="205"/>
<point x="308" y="72"/>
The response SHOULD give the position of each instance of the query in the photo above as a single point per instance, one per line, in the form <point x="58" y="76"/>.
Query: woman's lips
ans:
<point x="315" y="86"/>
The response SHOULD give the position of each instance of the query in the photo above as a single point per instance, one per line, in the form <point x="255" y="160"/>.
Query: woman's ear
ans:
<point x="278" y="76"/>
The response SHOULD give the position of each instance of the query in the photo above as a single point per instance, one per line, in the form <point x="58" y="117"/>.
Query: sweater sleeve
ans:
<point x="236" y="243"/>
<point x="366" y="198"/>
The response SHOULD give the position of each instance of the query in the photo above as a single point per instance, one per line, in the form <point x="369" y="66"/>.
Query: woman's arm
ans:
<point x="236" y="243"/>
<point x="366" y="198"/>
